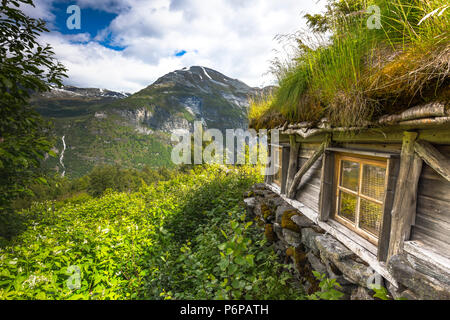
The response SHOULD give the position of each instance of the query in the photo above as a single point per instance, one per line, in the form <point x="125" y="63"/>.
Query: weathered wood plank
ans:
<point x="309" y="195"/>
<point x="436" y="189"/>
<point x="312" y="139"/>
<point x="326" y="185"/>
<point x="313" y="174"/>
<point x="433" y="109"/>
<point x="268" y="178"/>
<point x="434" y="208"/>
<point x="326" y="189"/>
<point x="315" y="169"/>
<point x="311" y="179"/>
<point x="429" y="173"/>
<point x="353" y="236"/>
<point x="433" y="158"/>
<point x="293" y="160"/>
<point x="307" y="150"/>
<point x="428" y="261"/>
<point x="393" y="135"/>
<point x="365" y="152"/>
<point x="284" y="167"/>
<point x="434" y="228"/>
<point x="412" y="211"/>
<point x="292" y="189"/>
<point x="380" y="147"/>
<point x="314" y="188"/>
<point x="385" y="232"/>
<point x="435" y="244"/>
<point x="404" y="206"/>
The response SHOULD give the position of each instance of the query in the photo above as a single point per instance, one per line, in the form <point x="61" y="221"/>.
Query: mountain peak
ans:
<point x="203" y="78"/>
<point x="75" y="92"/>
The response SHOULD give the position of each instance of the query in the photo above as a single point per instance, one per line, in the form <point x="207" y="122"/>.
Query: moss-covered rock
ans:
<point x="286" y="221"/>
<point x="266" y="211"/>
<point x="280" y="211"/>
<point x="300" y="259"/>
<point x="268" y="232"/>
<point x="302" y="221"/>
<point x="290" y="252"/>
<point x="292" y="238"/>
<point x="259" y="222"/>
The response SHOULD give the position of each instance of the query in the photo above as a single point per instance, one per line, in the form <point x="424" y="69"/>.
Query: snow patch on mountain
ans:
<point x="206" y="73"/>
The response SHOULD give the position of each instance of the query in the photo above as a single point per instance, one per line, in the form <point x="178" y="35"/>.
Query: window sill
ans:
<point x="274" y="187"/>
<point x="354" y="237"/>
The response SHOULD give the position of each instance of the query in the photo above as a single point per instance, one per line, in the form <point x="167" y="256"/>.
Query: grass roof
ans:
<point x="359" y="73"/>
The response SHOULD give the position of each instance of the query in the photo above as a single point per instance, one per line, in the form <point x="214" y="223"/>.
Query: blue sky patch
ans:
<point x="92" y="21"/>
<point x="180" y="53"/>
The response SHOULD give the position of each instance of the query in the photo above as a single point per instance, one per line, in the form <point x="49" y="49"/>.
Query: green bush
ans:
<point x="183" y="238"/>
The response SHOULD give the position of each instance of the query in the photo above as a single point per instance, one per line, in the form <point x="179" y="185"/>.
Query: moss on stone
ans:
<point x="266" y="211"/>
<point x="300" y="259"/>
<point x="259" y="222"/>
<point x="268" y="232"/>
<point x="286" y="221"/>
<point x="290" y="251"/>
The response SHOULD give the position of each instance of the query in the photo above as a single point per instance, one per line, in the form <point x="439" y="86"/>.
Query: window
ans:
<point x="278" y="154"/>
<point x="360" y="192"/>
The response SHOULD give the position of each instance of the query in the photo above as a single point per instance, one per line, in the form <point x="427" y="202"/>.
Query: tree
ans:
<point x="26" y="67"/>
<point x="336" y="10"/>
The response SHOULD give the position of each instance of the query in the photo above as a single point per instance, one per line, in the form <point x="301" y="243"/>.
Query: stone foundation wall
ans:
<point x="298" y="241"/>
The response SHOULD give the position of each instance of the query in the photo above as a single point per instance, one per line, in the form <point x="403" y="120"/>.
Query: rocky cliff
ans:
<point x="106" y="127"/>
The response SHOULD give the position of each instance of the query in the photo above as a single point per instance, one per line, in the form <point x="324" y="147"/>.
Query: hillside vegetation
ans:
<point x="186" y="238"/>
<point x="95" y="134"/>
<point x="365" y="68"/>
<point x="93" y="141"/>
<point x="103" y="127"/>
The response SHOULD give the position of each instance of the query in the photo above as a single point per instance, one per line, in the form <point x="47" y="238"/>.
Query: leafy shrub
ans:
<point x="327" y="288"/>
<point x="183" y="238"/>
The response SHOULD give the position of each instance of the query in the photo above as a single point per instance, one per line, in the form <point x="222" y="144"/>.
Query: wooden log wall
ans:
<point x="308" y="190"/>
<point x="432" y="221"/>
<point x="422" y="208"/>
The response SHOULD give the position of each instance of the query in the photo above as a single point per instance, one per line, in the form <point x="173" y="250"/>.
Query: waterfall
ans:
<point x="62" y="156"/>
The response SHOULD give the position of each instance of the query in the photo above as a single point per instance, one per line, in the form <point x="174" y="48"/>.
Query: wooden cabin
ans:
<point x="382" y="190"/>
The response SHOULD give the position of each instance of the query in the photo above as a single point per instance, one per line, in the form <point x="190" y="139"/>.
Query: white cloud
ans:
<point x="232" y="36"/>
<point x="41" y="10"/>
<point x="92" y="65"/>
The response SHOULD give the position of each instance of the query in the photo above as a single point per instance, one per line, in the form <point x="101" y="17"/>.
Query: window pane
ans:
<point x="347" y="206"/>
<point x="370" y="216"/>
<point x="373" y="181"/>
<point x="350" y="175"/>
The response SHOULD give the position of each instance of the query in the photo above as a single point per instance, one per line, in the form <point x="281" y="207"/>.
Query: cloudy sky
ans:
<point x="125" y="45"/>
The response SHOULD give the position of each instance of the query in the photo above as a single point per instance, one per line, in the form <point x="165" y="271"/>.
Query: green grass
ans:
<point x="364" y="72"/>
<point x="187" y="238"/>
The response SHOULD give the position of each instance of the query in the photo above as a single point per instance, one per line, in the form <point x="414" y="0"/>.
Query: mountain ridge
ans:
<point x="133" y="130"/>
